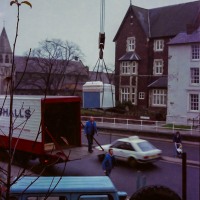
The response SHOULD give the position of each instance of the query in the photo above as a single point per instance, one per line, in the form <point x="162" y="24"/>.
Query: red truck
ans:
<point x="42" y="127"/>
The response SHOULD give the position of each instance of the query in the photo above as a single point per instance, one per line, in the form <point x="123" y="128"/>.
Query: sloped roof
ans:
<point x="184" y="38"/>
<point x="130" y="56"/>
<point x="4" y="42"/>
<point x="32" y="67"/>
<point x="159" y="83"/>
<point x="165" y="21"/>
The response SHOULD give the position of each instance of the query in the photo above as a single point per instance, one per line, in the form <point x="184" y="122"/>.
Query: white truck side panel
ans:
<point x="26" y="117"/>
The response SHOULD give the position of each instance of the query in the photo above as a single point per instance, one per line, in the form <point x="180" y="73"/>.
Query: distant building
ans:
<point x="5" y="62"/>
<point x="31" y="76"/>
<point x="141" y="46"/>
<point x="184" y="78"/>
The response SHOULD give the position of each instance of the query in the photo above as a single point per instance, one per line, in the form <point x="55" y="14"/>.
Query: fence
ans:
<point x="144" y="124"/>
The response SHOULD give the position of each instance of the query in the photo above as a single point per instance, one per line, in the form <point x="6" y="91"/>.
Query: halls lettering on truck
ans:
<point x="21" y="113"/>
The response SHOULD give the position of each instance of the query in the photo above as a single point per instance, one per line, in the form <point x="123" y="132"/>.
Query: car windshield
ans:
<point x="146" y="146"/>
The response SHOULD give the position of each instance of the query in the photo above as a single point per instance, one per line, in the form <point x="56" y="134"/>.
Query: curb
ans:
<point x="179" y="161"/>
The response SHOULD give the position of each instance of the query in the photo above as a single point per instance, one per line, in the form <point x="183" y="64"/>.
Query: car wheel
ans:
<point x="132" y="162"/>
<point x="155" y="192"/>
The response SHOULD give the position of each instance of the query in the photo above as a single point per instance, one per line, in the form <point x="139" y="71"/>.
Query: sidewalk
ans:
<point x="149" y="131"/>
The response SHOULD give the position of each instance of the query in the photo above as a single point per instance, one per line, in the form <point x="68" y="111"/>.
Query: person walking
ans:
<point x="90" y="129"/>
<point x="177" y="142"/>
<point x="108" y="162"/>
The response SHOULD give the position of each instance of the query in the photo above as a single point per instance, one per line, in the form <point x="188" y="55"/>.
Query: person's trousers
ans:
<point x="90" y="141"/>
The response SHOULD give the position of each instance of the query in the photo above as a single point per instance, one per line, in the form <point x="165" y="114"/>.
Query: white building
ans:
<point x="184" y="79"/>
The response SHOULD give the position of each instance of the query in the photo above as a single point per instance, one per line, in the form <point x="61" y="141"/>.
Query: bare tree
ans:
<point x="53" y="65"/>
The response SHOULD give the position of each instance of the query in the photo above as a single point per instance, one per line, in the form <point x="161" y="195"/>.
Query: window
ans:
<point x="128" y="67"/>
<point x="194" y="73"/>
<point x="158" y="45"/>
<point x="130" y="44"/>
<point x="159" y="97"/>
<point x="158" y="67"/>
<point x="125" y="68"/>
<point x="195" y="52"/>
<point x="7" y="59"/>
<point x="141" y="95"/>
<point x="194" y="102"/>
<point x="125" y="91"/>
<point x="133" y="95"/>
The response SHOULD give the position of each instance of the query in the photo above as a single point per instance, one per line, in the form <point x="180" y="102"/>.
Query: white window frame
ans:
<point x="125" y="94"/>
<point x="141" y="95"/>
<point x="195" y="52"/>
<point x="125" y="67"/>
<point x="133" y="95"/>
<point x="158" y="66"/>
<point x="130" y="44"/>
<point x="128" y="67"/>
<point x="159" y="97"/>
<point x="195" y="75"/>
<point x="194" y="102"/>
<point x="158" y="45"/>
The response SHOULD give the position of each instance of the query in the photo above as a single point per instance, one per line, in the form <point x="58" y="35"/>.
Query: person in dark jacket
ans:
<point x="108" y="162"/>
<point x="90" y="129"/>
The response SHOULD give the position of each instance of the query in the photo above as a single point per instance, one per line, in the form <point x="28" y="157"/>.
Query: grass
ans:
<point x="181" y="127"/>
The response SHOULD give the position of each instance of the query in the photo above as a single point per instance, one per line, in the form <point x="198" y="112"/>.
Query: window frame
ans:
<point x="159" y="45"/>
<point x="159" y="98"/>
<point x="128" y="68"/>
<point x="195" y="52"/>
<point x="125" y="95"/>
<point x="130" y="44"/>
<point x="194" y="104"/>
<point x="195" y="76"/>
<point x="141" y="95"/>
<point x="158" y="67"/>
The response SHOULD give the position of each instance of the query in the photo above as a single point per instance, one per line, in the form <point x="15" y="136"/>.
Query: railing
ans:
<point x="143" y="124"/>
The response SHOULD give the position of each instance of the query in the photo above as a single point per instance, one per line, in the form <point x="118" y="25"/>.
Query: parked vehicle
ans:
<point x="66" y="188"/>
<point x="133" y="150"/>
<point x="42" y="127"/>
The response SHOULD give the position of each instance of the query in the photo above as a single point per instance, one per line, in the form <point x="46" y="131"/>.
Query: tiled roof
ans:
<point x="130" y="56"/>
<point x="165" y="21"/>
<point x="4" y="42"/>
<point x="73" y="66"/>
<point x="184" y="38"/>
<point x="159" y="83"/>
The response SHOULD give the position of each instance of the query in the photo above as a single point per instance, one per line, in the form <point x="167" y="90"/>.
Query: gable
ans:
<point x="165" y="21"/>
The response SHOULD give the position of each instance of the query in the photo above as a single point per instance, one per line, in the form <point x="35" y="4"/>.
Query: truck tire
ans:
<point x="155" y="192"/>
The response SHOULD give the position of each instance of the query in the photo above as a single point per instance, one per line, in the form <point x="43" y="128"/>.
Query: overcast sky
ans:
<point x="77" y="21"/>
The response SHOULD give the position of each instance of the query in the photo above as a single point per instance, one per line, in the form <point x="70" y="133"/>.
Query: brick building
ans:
<point x="141" y="52"/>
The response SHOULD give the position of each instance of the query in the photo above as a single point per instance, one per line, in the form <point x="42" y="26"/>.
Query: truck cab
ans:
<point x="65" y="188"/>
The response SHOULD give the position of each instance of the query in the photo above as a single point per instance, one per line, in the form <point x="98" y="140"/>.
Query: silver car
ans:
<point x="133" y="150"/>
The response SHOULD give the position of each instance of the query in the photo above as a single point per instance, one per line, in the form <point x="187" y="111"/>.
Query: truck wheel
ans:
<point x="155" y="192"/>
<point x="21" y="158"/>
<point x="132" y="162"/>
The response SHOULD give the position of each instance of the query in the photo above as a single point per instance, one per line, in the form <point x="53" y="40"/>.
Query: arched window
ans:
<point x="7" y="59"/>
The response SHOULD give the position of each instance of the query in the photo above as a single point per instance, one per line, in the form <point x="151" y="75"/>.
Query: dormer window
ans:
<point x="7" y="59"/>
<point x="158" y="45"/>
<point x="130" y="44"/>
<point x="1" y="58"/>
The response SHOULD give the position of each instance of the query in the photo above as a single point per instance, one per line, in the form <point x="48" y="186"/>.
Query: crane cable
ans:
<point x="100" y="64"/>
